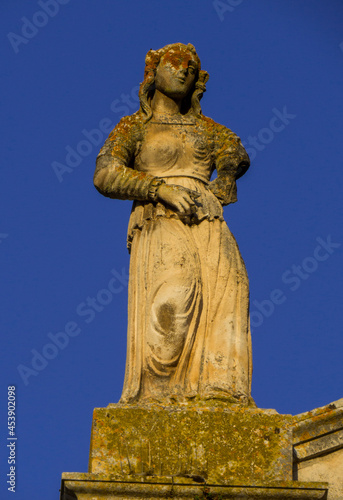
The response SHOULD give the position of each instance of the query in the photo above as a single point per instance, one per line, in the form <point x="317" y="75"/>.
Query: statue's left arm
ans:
<point x="231" y="162"/>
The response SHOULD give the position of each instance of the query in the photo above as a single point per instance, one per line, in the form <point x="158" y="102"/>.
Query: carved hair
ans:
<point x="147" y="87"/>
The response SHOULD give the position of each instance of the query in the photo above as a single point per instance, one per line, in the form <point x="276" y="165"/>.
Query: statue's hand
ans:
<point x="180" y="198"/>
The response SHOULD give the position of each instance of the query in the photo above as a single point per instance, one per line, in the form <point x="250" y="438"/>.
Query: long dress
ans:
<point x="188" y="317"/>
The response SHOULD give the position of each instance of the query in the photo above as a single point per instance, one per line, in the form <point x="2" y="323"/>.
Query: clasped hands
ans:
<point x="178" y="197"/>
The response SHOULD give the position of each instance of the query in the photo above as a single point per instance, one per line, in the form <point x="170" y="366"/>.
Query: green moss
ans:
<point x="214" y="444"/>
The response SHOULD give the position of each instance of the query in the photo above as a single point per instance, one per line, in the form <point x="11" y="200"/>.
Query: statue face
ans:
<point x="176" y="73"/>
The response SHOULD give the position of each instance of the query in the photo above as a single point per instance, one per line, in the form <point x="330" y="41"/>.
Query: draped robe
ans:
<point x="188" y="318"/>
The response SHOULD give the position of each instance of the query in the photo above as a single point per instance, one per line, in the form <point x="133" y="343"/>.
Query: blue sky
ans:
<point x="70" y="70"/>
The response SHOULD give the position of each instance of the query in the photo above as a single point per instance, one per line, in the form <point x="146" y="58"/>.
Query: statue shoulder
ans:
<point x="227" y="147"/>
<point x="128" y="126"/>
<point x="214" y="127"/>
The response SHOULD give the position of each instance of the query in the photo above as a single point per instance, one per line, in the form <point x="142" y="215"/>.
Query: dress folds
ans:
<point x="188" y="317"/>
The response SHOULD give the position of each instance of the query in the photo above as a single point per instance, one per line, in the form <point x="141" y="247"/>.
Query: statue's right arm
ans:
<point x="114" y="176"/>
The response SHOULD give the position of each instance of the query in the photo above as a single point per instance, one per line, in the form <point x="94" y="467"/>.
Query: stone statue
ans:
<point x="188" y="319"/>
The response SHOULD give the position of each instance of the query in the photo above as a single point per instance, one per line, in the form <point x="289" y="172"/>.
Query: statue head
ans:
<point x="176" y="54"/>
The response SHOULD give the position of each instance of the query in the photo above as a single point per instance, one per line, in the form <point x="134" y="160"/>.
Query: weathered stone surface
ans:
<point x="327" y="468"/>
<point x="100" y="487"/>
<point x="318" y="447"/>
<point x="318" y="422"/>
<point x="211" y="452"/>
<point x="195" y="430"/>
<point x="188" y="308"/>
<point x="212" y="444"/>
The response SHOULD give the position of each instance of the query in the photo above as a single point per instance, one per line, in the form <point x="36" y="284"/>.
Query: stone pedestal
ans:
<point x="213" y="444"/>
<point x="213" y="453"/>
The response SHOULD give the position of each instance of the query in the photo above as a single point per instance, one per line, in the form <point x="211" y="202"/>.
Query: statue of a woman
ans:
<point x="188" y="318"/>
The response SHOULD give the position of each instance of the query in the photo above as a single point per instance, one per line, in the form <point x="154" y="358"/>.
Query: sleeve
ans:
<point x="114" y="175"/>
<point x="231" y="162"/>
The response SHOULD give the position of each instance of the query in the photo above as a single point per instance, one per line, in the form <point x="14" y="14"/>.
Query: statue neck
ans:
<point x="164" y="105"/>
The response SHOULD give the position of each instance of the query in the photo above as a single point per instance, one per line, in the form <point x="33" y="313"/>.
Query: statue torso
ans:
<point x="174" y="148"/>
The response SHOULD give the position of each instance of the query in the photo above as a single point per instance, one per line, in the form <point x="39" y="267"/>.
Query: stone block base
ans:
<point x="214" y="445"/>
<point x="211" y="453"/>
<point x="100" y="487"/>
